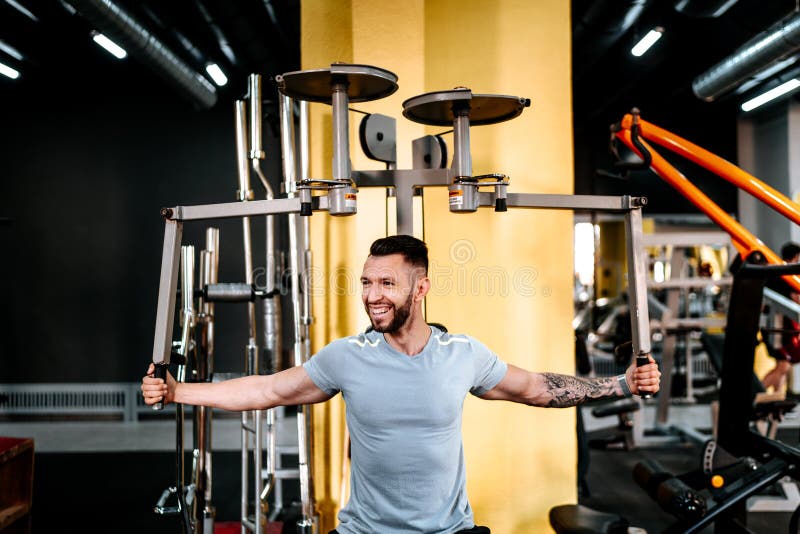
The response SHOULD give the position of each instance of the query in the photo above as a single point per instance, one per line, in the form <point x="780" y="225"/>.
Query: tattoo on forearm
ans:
<point x="563" y="391"/>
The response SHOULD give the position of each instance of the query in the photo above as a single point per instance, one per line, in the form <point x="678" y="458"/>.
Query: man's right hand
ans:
<point x="156" y="390"/>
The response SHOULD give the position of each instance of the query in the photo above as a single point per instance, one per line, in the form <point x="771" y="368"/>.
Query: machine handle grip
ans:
<point x="640" y="362"/>
<point x="624" y="352"/>
<point x="160" y="372"/>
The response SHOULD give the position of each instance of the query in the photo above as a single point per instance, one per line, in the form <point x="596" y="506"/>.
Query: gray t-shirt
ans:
<point x="404" y="416"/>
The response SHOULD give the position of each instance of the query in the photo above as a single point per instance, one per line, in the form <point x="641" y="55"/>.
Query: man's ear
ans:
<point x="423" y="286"/>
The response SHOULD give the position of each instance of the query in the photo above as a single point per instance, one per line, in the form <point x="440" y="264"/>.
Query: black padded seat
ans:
<point x="578" y="519"/>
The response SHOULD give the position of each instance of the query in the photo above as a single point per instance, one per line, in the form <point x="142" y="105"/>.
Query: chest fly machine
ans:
<point x="338" y="86"/>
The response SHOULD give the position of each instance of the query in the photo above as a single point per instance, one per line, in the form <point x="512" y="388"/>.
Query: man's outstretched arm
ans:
<point x="290" y="387"/>
<point x="554" y="390"/>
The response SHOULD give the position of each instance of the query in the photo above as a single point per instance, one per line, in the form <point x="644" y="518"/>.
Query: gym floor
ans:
<point x="100" y="477"/>
<point x="612" y="488"/>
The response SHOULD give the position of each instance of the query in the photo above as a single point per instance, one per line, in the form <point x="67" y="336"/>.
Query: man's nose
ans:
<point x="373" y="293"/>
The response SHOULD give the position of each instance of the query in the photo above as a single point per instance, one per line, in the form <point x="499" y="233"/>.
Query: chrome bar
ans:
<point x="254" y="94"/>
<point x="187" y="331"/>
<point x="245" y="462"/>
<point x="242" y="167"/>
<point x="303" y="139"/>
<point x="462" y="159"/>
<point x="341" y="132"/>
<point x="203" y="510"/>
<point x="244" y="195"/>
<point x="299" y="359"/>
<point x="297" y="236"/>
<point x="256" y="154"/>
<point x="187" y="312"/>
<point x="620" y="204"/>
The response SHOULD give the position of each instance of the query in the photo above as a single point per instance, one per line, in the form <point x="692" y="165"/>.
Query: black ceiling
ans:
<point x="262" y="36"/>
<point x="608" y="80"/>
<point x="242" y="37"/>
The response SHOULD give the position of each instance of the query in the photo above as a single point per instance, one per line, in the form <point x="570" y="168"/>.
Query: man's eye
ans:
<point x="388" y="283"/>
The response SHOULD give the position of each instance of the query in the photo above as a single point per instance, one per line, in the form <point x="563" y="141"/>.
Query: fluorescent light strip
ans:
<point x="723" y="8"/>
<point x="22" y="9"/>
<point x="5" y="70"/>
<point x="647" y="41"/>
<point x="216" y="74"/>
<point x="11" y="51"/>
<point x="772" y="94"/>
<point x="110" y="46"/>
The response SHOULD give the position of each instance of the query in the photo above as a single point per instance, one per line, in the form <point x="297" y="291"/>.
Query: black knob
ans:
<point x="500" y="204"/>
<point x="305" y="209"/>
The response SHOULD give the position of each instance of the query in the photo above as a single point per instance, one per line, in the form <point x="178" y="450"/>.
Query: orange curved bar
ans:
<point x="721" y="167"/>
<point x="744" y="241"/>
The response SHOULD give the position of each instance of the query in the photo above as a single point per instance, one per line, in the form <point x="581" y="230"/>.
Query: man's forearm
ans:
<point x="239" y="394"/>
<point x="563" y="391"/>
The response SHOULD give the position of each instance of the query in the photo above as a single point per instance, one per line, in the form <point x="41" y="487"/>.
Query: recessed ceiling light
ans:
<point x="647" y="41"/>
<point x="22" y="9"/>
<point x="110" y="46"/>
<point x="772" y="94"/>
<point x="5" y="70"/>
<point x="216" y="74"/>
<point x="11" y="51"/>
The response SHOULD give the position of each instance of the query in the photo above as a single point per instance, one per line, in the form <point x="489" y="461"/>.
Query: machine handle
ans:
<point x="160" y="372"/>
<point x="624" y="352"/>
<point x="642" y="360"/>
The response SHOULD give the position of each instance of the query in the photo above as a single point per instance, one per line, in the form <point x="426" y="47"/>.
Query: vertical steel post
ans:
<point x="251" y="364"/>
<point x="462" y="159"/>
<point x="204" y="369"/>
<point x="296" y="247"/>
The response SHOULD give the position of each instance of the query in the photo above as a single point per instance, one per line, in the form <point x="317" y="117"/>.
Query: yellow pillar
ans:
<point x="505" y="278"/>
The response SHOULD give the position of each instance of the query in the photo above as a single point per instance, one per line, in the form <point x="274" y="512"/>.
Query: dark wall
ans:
<point x="91" y="150"/>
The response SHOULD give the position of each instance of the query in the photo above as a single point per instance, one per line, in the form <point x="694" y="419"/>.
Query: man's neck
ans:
<point x="411" y="338"/>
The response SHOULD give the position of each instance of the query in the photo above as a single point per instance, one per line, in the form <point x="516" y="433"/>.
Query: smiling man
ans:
<point x="404" y="384"/>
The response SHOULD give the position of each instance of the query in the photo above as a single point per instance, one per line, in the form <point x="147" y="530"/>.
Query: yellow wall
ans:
<point x="504" y="278"/>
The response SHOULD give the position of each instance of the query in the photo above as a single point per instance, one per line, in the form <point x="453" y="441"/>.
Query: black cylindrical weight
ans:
<point x="678" y="499"/>
<point x="229" y="292"/>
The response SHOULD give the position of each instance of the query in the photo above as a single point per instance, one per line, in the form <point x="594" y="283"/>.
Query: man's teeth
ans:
<point x="379" y="311"/>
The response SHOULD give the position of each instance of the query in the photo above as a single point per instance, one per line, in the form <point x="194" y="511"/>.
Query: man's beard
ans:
<point x="401" y="315"/>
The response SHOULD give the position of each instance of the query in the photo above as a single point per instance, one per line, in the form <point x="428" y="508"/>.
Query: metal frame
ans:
<point x="406" y="181"/>
<point x="173" y="230"/>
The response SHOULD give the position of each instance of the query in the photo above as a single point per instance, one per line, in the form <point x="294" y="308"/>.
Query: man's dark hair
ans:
<point x="789" y="251"/>
<point x="413" y="250"/>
